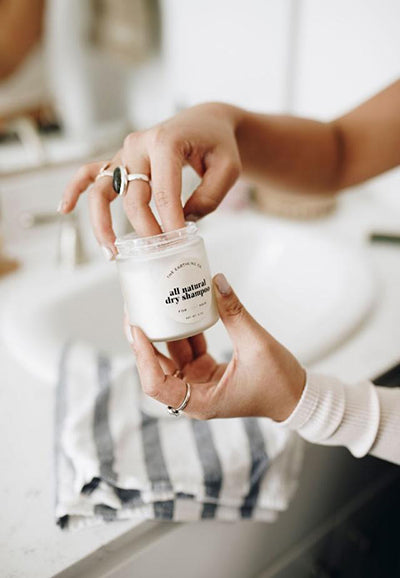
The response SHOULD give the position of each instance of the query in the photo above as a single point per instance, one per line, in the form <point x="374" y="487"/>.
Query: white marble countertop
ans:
<point x="30" y="543"/>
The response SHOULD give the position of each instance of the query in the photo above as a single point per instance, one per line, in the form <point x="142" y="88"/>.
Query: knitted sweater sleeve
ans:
<point x="362" y="417"/>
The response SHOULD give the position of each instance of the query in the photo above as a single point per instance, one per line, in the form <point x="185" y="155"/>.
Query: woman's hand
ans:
<point x="262" y="378"/>
<point x="202" y="136"/>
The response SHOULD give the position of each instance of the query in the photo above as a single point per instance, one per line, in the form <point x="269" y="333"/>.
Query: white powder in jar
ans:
<point x="166" y="283"/>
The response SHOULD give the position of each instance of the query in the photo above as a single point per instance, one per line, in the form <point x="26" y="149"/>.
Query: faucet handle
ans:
<point x="28" y="219"/>
<point x="70" y="246"/>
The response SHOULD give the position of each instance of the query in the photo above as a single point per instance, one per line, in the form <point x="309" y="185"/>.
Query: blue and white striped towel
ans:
<point x="115" y="462"/>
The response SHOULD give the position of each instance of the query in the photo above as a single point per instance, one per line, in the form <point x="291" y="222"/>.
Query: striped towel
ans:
<point x="114" y="461"/>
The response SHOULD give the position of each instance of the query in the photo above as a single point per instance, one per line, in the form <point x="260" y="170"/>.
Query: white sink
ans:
<point x="309" y="290"/>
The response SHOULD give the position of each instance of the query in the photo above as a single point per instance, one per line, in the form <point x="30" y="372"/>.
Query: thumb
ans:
<point x="237" y="320"/>
<point x="219" y="177"/>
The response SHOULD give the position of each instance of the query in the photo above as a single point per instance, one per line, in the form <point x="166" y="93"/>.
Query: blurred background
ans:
<point x="76" y="76"/>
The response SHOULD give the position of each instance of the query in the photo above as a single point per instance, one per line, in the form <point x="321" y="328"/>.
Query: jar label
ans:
<point x="187" y="290"/>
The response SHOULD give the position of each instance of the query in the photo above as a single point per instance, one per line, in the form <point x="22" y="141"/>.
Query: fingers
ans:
<point x="138" y="195"/>
<point x="135" y="202"/>
<point x="82" y="179"/>
<point x="166" y="175"/>
<point x="167" y="364"/>
<point x="100" y="197"/>
<point x="220" y="176"/>
<point x="155" y="383"/>
<point x="240" y="325"/>
<point x="198" y="344"/>
<point x="185" y="351"/>
<point x="181" y="352"/>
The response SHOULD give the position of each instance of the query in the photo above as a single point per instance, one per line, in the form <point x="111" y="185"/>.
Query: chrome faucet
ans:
<point x="70" y="251"/>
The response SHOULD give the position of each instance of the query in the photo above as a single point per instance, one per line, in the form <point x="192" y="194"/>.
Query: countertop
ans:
<point x="30" y="542"/>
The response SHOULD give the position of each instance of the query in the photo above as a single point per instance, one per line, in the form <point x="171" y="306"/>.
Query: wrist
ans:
<point x="292" y="393"/>
<point x="241" y="121"/>
<point x="233" y="114"/>
<point x="236" y="116"/>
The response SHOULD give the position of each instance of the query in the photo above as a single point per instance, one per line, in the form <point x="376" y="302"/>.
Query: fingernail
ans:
<point x="134" y="336"/>
<point x="192" y="218"/>
<point x="222" y="284"/>
<point x="134" y="333"/>
<point x="108" y="254"/>
<point x="61" y="206"/>
<point x="128" y="333"/>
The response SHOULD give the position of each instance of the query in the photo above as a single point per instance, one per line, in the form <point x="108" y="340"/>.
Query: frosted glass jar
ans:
<point x="166" y="283"/>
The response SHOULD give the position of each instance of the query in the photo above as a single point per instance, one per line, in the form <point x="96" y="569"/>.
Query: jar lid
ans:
<point x="132" y="244"/>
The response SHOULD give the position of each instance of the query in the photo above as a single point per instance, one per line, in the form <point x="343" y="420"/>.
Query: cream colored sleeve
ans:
<point x="362" y="417"/>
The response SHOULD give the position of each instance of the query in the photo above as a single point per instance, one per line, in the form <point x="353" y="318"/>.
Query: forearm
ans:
<point x="290" y="153"/>
<point x="306" y="155"/>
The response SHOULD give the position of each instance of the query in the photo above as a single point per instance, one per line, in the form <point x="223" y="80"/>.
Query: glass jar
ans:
<point x="166" y="283"/>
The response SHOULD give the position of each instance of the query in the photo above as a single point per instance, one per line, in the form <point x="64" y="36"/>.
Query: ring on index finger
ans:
<point x="103" y="172"/>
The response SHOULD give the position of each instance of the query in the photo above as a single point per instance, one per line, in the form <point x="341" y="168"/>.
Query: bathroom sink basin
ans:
<point x="309" y="290"/>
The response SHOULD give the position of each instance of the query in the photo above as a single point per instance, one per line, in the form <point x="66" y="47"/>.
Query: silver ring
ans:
<point x="121" y="179"/>
<point x="176" y="411"/>
<point x="103" y="172"/>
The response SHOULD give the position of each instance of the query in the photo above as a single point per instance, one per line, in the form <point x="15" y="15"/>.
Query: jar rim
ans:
<point x="133" y="244"/>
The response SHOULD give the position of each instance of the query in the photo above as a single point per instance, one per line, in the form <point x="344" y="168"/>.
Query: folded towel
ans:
<point x="114" y="461"/>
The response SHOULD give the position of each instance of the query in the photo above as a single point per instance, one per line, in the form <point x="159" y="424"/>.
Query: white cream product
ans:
<point x="166" y="283"/>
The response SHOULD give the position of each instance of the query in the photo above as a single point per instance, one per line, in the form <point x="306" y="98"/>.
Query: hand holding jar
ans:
<point x="262" y="378"/>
